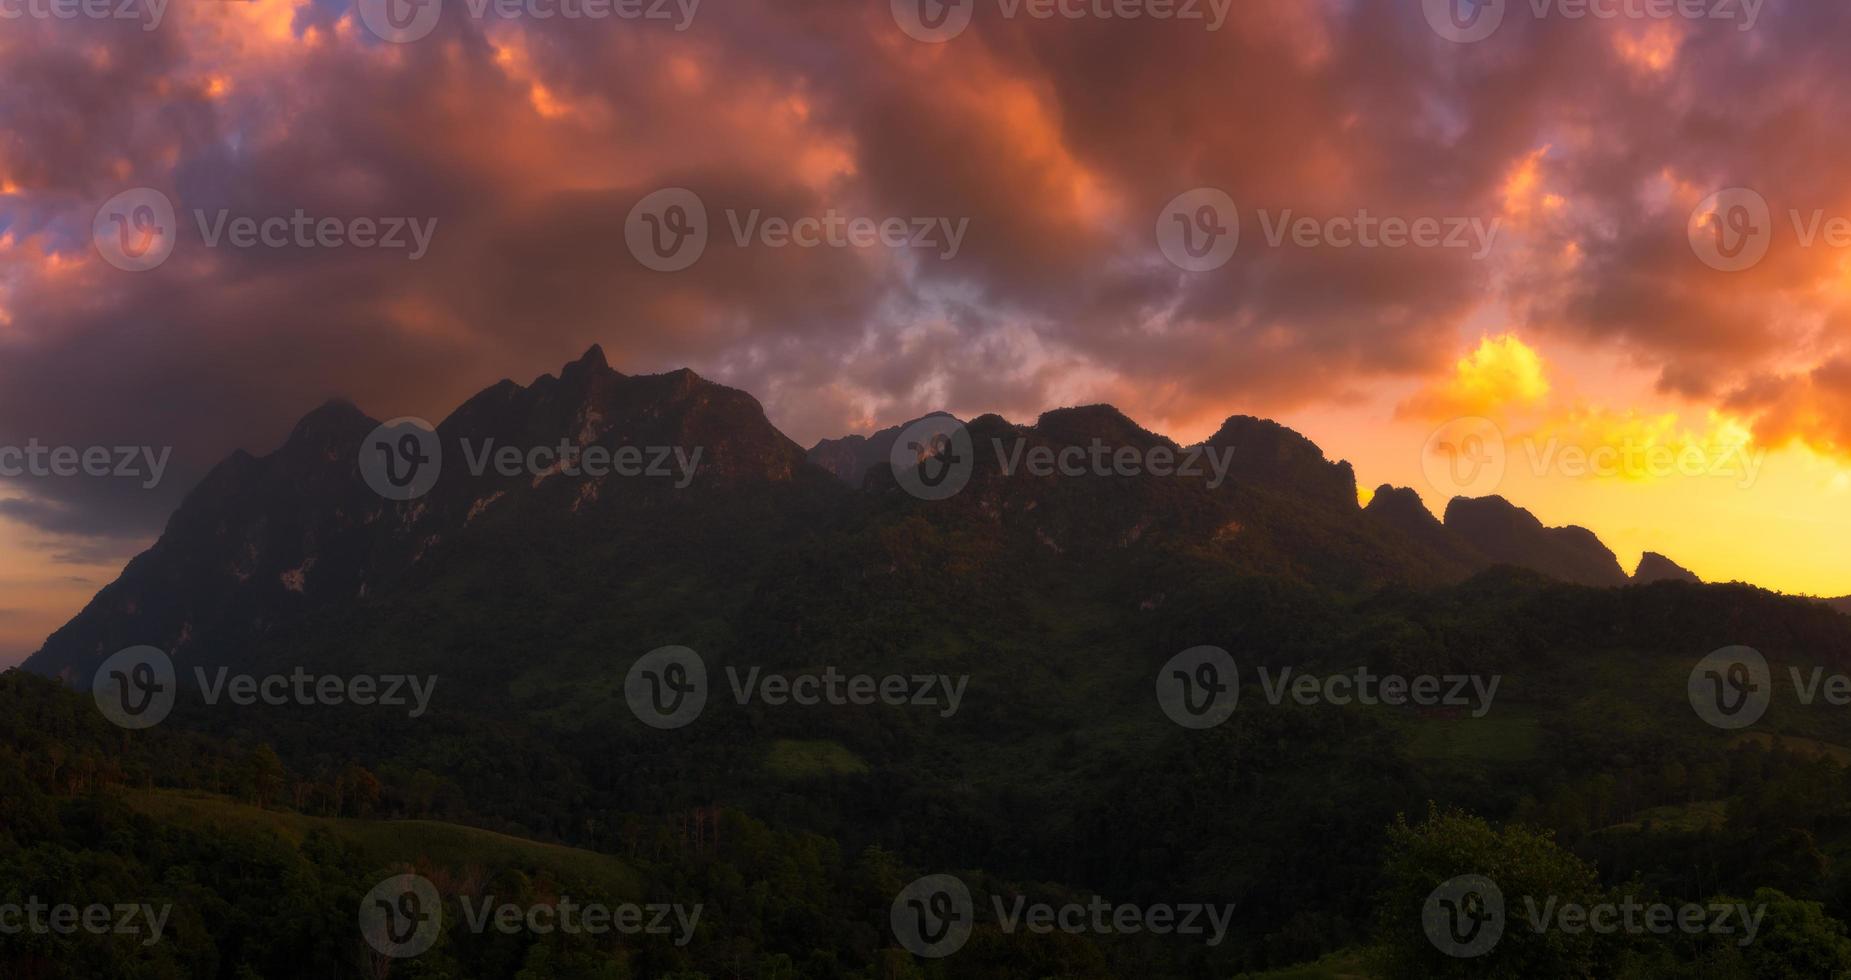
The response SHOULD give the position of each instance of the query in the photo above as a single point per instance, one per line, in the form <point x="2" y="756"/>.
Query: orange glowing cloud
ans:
<point x="1501" y="372"/>
<point x="1506" y="380"/>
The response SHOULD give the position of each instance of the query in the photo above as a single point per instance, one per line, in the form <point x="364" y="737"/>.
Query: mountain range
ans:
<point x="264" y="541"/>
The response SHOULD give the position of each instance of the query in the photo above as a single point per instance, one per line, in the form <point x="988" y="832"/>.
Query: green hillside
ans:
<point x="385" y="843"/>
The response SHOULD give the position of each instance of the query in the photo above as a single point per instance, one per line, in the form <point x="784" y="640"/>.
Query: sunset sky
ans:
<point x="1586" y="147"/>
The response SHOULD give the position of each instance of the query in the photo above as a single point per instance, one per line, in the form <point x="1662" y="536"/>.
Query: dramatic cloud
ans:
<point x="1558" y="161"/>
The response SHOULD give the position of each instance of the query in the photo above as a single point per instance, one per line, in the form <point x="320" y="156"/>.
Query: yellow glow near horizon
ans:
<point x="38" y="592"/>
<point x="1651" y="476"/>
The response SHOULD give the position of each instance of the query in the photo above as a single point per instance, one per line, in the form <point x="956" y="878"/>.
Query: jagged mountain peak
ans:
<point x="1400" y="505"/>
<point x="1400" y="511"/>
<point x="851" y="456"/>
<point x="1654" y="567"/>
<point x="589" y="368"/>
<point x="335" y="408"/>
<point x="589" y="400"/>
<point x="592" y="358"/>
<point x="1508" y="534"/>
<point x="334" y="422"/>
<point x="1083" y="423"/>
<point x="1488" y="507"/>
<point x="1275" y="456"/>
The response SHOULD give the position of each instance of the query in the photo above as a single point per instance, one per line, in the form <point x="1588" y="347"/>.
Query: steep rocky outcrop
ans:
<point x="1654" y="567"/>
<point x="1508" y="534"/>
